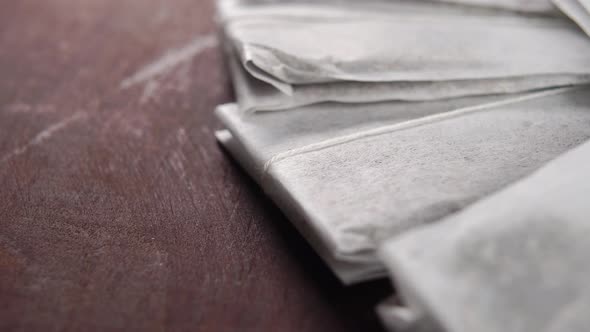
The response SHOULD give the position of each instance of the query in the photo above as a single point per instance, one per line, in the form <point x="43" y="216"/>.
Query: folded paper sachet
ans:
<point x="515" y="261"/>
<point x="351" y="176"/>
<point x="407" y="52"/>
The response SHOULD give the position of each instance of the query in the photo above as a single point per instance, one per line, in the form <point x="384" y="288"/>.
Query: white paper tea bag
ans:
<point x="515" y="261"/>
<point x="456" y="55"/>
<point x="578" y="11"/>
<point x="254" y="95"/>
<point x="424" y="48"/>
<point x="352" y="176"/>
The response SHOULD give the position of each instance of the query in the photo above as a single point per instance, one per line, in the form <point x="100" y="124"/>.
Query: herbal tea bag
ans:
<point x="457" y="55"/>
<point x="578" y="11"/>
<point x="351" y="181"/>
<point x="254" y="95"/>
<point x="515" y="261"/>
<point x="450" y="48"/>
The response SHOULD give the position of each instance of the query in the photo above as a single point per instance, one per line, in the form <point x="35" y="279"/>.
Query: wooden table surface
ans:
<point x="118" y="210"/>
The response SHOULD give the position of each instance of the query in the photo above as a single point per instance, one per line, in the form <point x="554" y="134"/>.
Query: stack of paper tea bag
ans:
<point x="367" y="122"/>
<point x="286" y="56"/>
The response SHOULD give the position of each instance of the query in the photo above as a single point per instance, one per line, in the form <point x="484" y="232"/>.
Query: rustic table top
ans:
<point x="118" y="210"/>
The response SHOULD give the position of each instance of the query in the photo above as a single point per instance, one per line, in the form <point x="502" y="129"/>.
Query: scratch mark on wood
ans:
<point x="149" y="91"/>
<point x="26" y="108"/>
<point x="236" y="205"/>
<point x="204" y="154"/>
<point x="44" y="135"/>
<point x="181" y="136"/>
<point x="177" y="164"/>
<point x="182" y="80"/>
<point x="170" y="60"/>
<point x="160" y="258"/>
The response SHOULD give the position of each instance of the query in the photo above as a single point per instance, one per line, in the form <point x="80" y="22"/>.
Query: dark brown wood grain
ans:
<point x="118" y="210"/>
